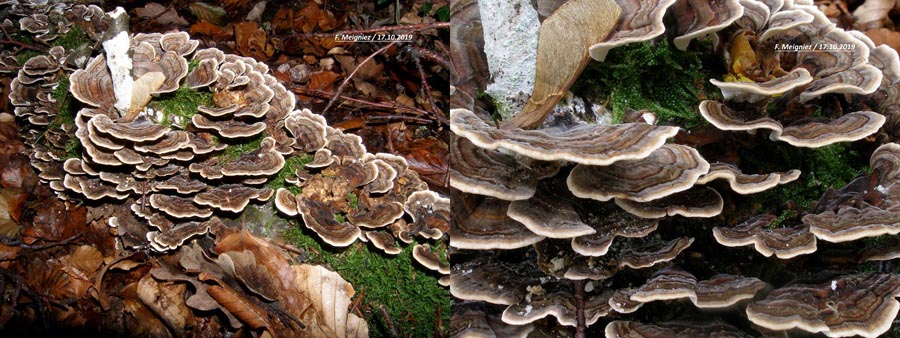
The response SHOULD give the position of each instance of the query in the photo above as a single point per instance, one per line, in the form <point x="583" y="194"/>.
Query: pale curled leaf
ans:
<point x="563" y="53"/>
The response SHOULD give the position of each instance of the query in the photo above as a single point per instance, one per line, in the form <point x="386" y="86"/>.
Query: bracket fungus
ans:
<point x="621" y="328"/>
<point x="672" y="283"/>
<point x="862" y="305"/>
<point x="542" y="249"/>
<point x="347" y="193"/>
<point x="174" y="168"/>
<point x="784" y="243"/>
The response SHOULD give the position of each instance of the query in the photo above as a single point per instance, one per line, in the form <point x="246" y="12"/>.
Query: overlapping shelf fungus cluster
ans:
<point x="171" y="141"/>
<point x="595" y="225"/>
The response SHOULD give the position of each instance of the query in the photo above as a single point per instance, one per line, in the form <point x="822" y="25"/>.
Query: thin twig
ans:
<point x="439" y="323"/>
<point x="347" y="80"/>
<point x="411" y="28"/>
<point x="51" y="244"/>
<point x="363" y="103"/>
<point x="426" y="90"/>
<point x="23" y="45"/>
<point x="390" y="323"/>
<point x="432" y="56"/>
<point x="359" y="298"/>
<point x="394" y="118"/>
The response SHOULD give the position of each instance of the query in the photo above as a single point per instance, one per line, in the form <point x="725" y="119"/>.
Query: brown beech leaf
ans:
<point x="254" y="276"/>
<point x="87" y="259"/>
<point x="210" y="30"/>
<point x="145" y="323"/>
<point x="245" y="310"/>
<point x="7" y="254"/>
<point x="872" y="13"/>
<point x="210" y="13"/>
<point x="16" y="170"/>
<point x="428" y="157"/>
<point x="323" y="80"/>
<point x="562" y="54"/>
<point x="55" y="221"/>
<point x="163" y="15"/>
<point x="167" y="301"/>
<point x="317" y="297"/>
<point x="10" y="210"/>
<point x="200" y="300"/>
<point x="884" y="36"/>
<point x="252" y="41"/>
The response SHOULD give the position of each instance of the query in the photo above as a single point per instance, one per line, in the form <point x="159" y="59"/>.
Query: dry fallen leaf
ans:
<point x="562" y="53"/>
<point x="210" y="13"/>
<point x="252" y="41"/>
<point x="317" y="297"/>
<point x="884" y="36"/>
<point x="323" y="80"/>
<point x="212" y="31"/>
<point x="167" y="301"/>
<point x="162" y="14"/>
<point x="872" y="13"/>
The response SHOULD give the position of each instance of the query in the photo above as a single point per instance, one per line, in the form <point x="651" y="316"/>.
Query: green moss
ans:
<point x="73" y="39"/>
<point x="408" y="292"/>
<point x="26" y="54"/>
<point x="182" y="103"/>
<point x="236" y="149"/>
<point x="490" y="104"/>
<point x="67" y="109"/>
<point x="653" y="76"/>
<point x="827" y="167"/>
<point x="291" y="165"/>
<point x="354" y="200"/>
<point x="193" y="64"/>
<point x="340" y="217"/>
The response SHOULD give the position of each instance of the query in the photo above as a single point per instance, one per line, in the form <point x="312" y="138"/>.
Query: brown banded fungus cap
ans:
<point x="430" y="259"/>
<point x="474" y="319"/>
<point x="695" y="202"/>
<point x="550" y="213"/>
<point x="746" y="183"/>
<point x="784" y="243"/>
<point x="862" y="305"/>
<point x="482" y="223"/>
<point x="667" y="170"/>
<point x="558" y="303"/>
<point x="489" y="172"/>
<point x="755" y="92"/>
<point x="345" y="189"/>
<point x="622" y="328"/>
<point x="695" y="19"/>
<point x="587" y="144"/>
<point x="610" y="222"/>
<point x="641" y="20"/>
<point x="850" y="127"/>
<point x="720" y="291"/>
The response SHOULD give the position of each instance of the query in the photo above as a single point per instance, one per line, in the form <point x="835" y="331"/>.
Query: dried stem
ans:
<point x="347" y="80"/>
<point x="580" y="327"/>
<point x="389" y="322"/>
<point x="439" y="323"/>
<point x="409" y="28"/>
<point x="23" y="45"/>
<point x="426" y="90"/>
<point x="362" y="103"/>
<point x="431" y="56"/>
